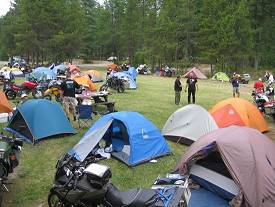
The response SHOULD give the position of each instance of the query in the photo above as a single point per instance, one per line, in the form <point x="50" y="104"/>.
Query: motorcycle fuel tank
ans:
<point x="29" y="84"/>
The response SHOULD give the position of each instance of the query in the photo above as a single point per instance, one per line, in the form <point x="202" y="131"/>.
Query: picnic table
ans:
<point x="99" y="99"/>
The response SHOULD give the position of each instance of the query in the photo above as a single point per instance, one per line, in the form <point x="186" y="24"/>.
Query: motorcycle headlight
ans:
<point x="2" y="153"/>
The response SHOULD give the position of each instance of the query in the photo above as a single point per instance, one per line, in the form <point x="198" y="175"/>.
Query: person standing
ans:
<point x="235" y="84"/>
<point x="192" y="86"/>
<point x="259" y="86"/>
<point x="69" y="101"/>
<point x="270" y="78"/>
<point x="177" y="89"/>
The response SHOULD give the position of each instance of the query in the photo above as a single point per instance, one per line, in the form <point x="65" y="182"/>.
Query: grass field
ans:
<point x="154" y="98"/>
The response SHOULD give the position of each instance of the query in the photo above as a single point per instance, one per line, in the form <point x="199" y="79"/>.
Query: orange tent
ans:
<point x="5" y="106"/>
<point x="74" y="68"/>
<point x="95" y="75"/>
<point x="113" y="67"/>
<point x="237" y="111"/>
<point x="82" y="80"/>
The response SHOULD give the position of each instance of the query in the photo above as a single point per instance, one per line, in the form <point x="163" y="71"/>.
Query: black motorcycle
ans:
<point x="86" y="184"/>
<point x="114" y="83"/>
<point x="10" y="149"/>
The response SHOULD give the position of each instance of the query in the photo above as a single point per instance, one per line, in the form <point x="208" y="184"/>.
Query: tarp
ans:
<point x="14" y="70"/>
<point x="95" y="76"/>
<point x="38" y="119"/>
<point x="237" y="111"/>
<point x="44" y="72"/>
<point x="196" y="73"/>
<point x="249" y="157"/>
<point x="188" y="124"/>
<point x="133" y="137"/>
<point x="5" y="106"/>
<point x="83" y="80"/>
<point x="220" y="76"/>
<point x="130" y="80"/>
<point x="132" y="72"/>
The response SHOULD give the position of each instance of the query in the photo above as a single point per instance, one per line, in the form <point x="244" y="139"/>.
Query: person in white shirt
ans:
<point x="6" y="74"/>
<point x="271" y="78"/>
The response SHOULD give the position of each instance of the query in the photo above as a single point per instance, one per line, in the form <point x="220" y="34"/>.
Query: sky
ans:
<point x="5" y="6"/>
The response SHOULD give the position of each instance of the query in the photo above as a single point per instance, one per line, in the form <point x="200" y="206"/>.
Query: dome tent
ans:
<point x="187" y="124"/>
<point x="232" y="162"/>
<point x="134" y="138"/>
<point x="237" y="111"/>
<point x="38" y="119"/>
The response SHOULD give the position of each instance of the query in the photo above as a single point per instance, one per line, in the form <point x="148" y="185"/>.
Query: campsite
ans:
<point x="38" y="161"/>
<point x="137" y="103"/>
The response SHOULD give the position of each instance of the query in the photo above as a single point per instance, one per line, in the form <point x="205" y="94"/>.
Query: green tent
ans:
<point x="220" y="76"/>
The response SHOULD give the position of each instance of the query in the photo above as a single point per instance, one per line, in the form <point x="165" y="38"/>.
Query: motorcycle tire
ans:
<point x="104" y="87"/>
<point x="37" y="94"/>
<point x="55" y="201"/>
<point x="48" y="97"/>
<point x="10" y="94"/>
<point x="120" y="89"/>
<point x="273" y="117"/>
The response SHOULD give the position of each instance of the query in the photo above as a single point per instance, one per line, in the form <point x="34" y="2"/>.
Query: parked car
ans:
<point x="112" y="58"/>
<point x="245" y="78"/>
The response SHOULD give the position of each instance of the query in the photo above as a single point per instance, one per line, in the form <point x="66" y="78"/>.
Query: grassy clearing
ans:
<point x="154" y="99"/>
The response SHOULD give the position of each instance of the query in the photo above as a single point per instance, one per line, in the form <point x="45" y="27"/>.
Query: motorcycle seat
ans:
<point x="133" y="198"/>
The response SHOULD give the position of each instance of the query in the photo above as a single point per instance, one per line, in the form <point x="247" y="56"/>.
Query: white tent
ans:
<point x="188" y="124"/>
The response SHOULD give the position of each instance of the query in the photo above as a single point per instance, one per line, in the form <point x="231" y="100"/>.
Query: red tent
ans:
<point x="195" y="73"/>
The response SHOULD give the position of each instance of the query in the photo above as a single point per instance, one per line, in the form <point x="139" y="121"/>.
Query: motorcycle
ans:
<point x="53" y="90"/>
<point x="114" y="83"/>
<point x="12" y="90"/>
<point x="86" y="184"/>
<point x="10" y="149"/>
<point x="265" y="101"/>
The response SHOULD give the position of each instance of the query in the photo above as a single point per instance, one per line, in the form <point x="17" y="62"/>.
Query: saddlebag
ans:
<point x="98" y="175"/>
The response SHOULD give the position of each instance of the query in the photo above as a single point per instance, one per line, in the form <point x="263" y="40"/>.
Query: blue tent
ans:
<point x="132" y="72"/>
<point x="38" y="119"/>
<point x="122" y="75"/>
<point x="43" y="71"/>
<point x="60" y="67"/>
<point x="134" y="138"/>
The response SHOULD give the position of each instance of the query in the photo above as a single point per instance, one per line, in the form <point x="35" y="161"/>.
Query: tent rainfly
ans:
<point x="134" y="138"/>
<point x="38" y="119"/>
<point x="234" y="164"/>
<point x="187" y="124"/>
<point x="195" y="73"/>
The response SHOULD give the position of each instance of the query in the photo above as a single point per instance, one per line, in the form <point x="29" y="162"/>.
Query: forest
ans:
<point x="226" y="33"/>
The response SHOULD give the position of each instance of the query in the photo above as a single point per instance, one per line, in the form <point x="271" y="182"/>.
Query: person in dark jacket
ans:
<point x="177" y="89"/>
<point x="69" y="101"/>
<point x="235" y="85"/>
<point x="191" y="85"/>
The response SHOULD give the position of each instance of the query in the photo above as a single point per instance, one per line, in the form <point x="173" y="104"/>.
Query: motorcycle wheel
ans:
<point x="10" y="94"/>
<point x="120" y="89"/>
<point x="48" y="97"/>
<point x="273" y="117"/>
<point x="37" y="94"/>
<point x="54" y="201"/>
<point x="104" y="87"/>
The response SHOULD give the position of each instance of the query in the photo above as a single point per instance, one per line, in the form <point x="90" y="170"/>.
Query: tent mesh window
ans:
<point x="18" y="124"/>
<point x="215" y="163"/>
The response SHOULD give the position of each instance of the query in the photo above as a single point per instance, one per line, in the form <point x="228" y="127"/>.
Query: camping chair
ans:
<point x="84" y="114"/>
